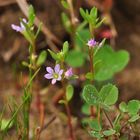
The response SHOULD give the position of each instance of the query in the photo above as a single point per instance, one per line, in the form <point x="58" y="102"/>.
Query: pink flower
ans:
<point x="69" y="73"/>
<point x="20" y="28"/>
<point x="55" y="75"/>
<point x="92" y="43"/>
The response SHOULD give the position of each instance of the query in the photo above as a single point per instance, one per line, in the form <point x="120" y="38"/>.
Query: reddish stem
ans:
<point x="91" y="69"/>
<point x="69" y="122"/>
<point x="92" y="111"/>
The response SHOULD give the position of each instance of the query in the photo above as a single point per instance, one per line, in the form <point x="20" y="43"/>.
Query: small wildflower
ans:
<point x="92" y="43"/>
<point x="69" y="73"/>
<point x="20" y="28"/>
<point x="55" y="75"/>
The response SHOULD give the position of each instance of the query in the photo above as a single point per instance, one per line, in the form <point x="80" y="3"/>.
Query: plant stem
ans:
<point x="91" y="70"/>
<point x="71" y="134"/>
<point x="108" y="118"/>
<point x="27" y="105"/>
<point x="69" y="121"/>
<point x="99" y="111"/>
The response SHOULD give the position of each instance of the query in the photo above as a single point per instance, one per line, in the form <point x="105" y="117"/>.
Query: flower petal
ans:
<point x="22" y="25"/>
<point x="48" y="76"/>
<point x="92" y="43"/>
<point x="60" y="72"/>
<point x="53" y="81"/>
<point x="57" y="68"/>
<point x="49" y="70"/>
<point x="16" y="28"/>
<point x="69" y="73"/>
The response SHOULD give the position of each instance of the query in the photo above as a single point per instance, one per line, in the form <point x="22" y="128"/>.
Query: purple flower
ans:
<point x="92" y="43"/>
<point x="69" y="73"/>
<point x="19" y="28"/>
<point x="55" y="74"/>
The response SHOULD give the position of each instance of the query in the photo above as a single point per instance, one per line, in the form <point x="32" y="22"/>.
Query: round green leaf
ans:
<point x="75" y="58"/>
<point x="109" y="132"/>
<point x="109" y="94"/>
<point x="123" y="107"/>
<point x="86" y="109"/>
<point x="133" y="107"/>
<point x="112" y="62"/>
<point x="94" y="124"/>
<point x="90" y="94"/>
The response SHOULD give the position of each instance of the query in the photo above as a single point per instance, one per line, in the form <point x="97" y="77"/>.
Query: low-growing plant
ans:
<point x="101" y="116"/>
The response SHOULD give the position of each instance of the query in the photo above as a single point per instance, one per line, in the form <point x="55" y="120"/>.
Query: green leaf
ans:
<point x="4" y="123"/>
<point x="96" y="134"/>
<point x="82" y="26"/>
<point x="62" y="102"/>
<point x="117" y="120"/>
<point x="90" y="76"/>
<point x="112" y="62"/>
<point x="123" y="107"/>
<point x="94" y="13"/>
<point x="81" y="39"/>
<point x="133" y="107"/>
<point x="109" y="132"/>
<point x="134" y="118"/>
<point x="75" y="58"/>
<point x="99" y="23"/>
<point x="38" y="30"/>
<point x="66" y="22"/>
<point x="94" y="124"/>
<point x="90" y="94"/>
<point x="31" y="16"/>
<point x="65" y="4"/>
<point x="109" y="94"/>
<point x="41" y="59"/>
<point x="86" y="109"/>
<point x="65" y="47"/>
<point x="53" y="55"/>
<point x="83" y="14"/>
<point x="69" y="92"/>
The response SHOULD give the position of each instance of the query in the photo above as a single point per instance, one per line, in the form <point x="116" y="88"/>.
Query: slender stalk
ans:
<point x="69" y="122"/>
<point x="92" y="71"/>
<point x="71" y="133"/>
<point x="99" y="113"/>
<point x="15" y="113"/>
<point x="110" y="122"/>
<point x="27" y="105"/>
<point x="91" y="56"/>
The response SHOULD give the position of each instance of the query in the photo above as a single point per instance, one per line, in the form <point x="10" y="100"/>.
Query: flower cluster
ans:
<point x="20" y="28"/>
<point x="57" y="73"/>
